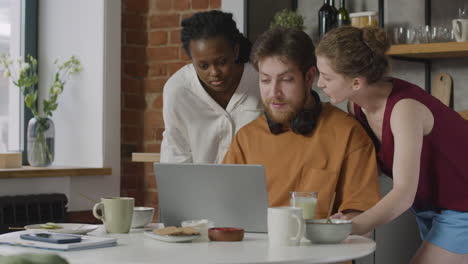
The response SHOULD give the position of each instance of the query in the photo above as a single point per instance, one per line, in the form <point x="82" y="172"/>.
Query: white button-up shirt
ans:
<point x="197" y="128"/>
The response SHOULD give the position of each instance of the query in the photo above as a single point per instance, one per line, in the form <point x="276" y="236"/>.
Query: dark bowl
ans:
<point x="226" y="234"/>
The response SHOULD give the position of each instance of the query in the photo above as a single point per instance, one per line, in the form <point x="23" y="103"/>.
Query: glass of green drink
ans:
<point x="305" y="200"/>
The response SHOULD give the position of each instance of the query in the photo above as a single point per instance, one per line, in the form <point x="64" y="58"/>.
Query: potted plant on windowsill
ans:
<point x="41" y="131"/>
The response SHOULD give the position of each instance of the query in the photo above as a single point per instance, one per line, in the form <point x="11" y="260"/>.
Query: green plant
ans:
<point x="24" y="75"/>
<point x="288" y="19"/>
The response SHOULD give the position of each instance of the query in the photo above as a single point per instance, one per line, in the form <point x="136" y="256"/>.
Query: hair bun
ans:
<point x="376" y="39"/>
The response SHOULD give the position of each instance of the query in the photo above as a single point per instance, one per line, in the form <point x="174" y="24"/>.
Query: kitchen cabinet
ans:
<point x="430" y="51"/>
<point x="426" y="52"/>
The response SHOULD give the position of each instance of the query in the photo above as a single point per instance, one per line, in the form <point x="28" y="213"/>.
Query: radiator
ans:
<point x="21" y="210"/>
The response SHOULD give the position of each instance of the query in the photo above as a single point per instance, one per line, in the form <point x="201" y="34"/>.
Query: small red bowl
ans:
<point x="226" y="234"/>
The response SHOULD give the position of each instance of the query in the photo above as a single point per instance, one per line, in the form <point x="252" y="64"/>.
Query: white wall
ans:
<point x="236" y="7"/>
<point x="87" y="121"/>
<point x="15" y="123"/>
<point x="75" y="28"/>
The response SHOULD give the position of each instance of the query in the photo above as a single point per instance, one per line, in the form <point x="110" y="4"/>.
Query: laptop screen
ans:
<point x="229" y="195"/>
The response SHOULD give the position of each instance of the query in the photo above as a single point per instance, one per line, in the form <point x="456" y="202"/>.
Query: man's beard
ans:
<point x="282" y="116"/>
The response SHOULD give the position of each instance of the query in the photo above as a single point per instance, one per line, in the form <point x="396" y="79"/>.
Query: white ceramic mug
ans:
<point x="285" y="226"/>
<point x="116" y="213"/>
<point x="460" y="29"/>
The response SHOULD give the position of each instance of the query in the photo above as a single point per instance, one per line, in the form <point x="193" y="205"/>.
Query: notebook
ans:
<point x="228" y="195"/>
<point x="86" y="242"/>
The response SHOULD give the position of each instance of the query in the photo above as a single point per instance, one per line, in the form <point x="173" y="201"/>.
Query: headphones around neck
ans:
<point x="304" y="122"/>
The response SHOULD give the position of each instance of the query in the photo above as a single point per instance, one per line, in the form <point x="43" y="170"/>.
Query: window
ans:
<point x="10" y="14"/>
<point x="18" y="37"/>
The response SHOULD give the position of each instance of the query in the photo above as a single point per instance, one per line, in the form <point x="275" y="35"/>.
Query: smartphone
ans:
<point x="51" y="238"/>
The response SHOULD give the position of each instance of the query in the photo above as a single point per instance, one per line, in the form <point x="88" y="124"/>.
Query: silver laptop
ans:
<point x="228" y="195"/>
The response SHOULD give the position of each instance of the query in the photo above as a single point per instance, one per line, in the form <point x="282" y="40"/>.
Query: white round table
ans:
<point x="136" y="248"/>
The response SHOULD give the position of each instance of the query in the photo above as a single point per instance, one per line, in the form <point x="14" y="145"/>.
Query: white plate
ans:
<point x="173" y="239"/>
<point x="150" y="226"/>
<point x="67" y="228"/>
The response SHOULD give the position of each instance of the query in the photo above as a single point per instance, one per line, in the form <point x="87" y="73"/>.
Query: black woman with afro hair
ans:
<point x="208" y="100"/>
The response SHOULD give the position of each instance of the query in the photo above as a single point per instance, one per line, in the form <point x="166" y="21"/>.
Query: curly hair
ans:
<point x="210" y="24"/>
<point x="357" y="52"/>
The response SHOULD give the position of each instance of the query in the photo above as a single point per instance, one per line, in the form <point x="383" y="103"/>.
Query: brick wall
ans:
<point x="151" y="52"/>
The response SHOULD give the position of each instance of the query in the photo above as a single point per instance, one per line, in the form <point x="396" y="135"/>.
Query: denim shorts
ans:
<point x="447" y="229"/>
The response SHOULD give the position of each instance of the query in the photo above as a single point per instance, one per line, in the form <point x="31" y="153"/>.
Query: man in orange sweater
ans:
<point x="304" y="144"/>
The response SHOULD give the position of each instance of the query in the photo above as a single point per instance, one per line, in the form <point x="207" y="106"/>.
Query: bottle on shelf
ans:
<point x="332" y="4"/>
<point x="343" y="15"/>
<point x="327" y="18"/>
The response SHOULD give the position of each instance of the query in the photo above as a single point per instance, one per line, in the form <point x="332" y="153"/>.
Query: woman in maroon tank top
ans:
<point x="420" y="142"/>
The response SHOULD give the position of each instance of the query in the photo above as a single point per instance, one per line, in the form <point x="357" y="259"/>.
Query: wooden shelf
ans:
<point x="430" y="50"/>
<point x="53" y="171"/>
<point x="145" y="157"/>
